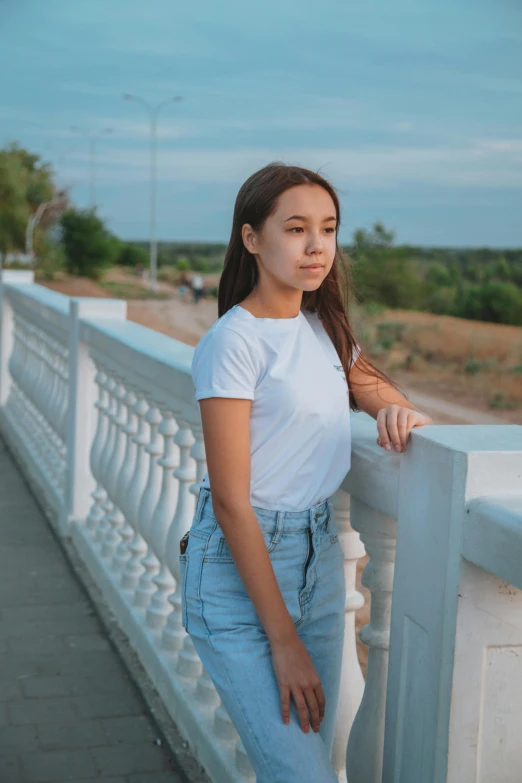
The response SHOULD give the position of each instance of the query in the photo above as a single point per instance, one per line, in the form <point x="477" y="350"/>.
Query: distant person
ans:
<point x="262" y="582"/>
<point x="139" y="270"/>
<point x="197" y="287"/>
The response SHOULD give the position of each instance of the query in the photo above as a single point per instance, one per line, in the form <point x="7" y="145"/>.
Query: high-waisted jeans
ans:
<point x="234" y="648"/>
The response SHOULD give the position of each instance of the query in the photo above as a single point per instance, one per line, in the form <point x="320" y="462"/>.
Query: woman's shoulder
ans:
<point x="228" y="335"/>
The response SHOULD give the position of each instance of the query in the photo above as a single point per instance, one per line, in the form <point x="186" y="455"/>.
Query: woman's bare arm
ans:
<point x="395" y="415"/>
<point x="226" y="430"/>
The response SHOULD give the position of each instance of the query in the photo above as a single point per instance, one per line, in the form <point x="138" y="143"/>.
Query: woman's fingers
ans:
<point x="384" y="438"/>
<point x="313" y="708"/>
<point x="302" y="711"/>
<point x="391" y="426"/>
<point x="404" y="425"/>
<point x="321" y="700"/>
<point x="310" y="704"/>
<point x="394" y="425"/>
<point x="285" y="703"/>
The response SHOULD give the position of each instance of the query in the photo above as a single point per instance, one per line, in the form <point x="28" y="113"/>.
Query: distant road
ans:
<point x="443" y="412"/>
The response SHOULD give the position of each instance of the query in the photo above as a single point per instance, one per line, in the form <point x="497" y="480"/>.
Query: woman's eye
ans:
<point x="296" y="228"/>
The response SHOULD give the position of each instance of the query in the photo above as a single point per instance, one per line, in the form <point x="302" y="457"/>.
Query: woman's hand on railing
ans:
<point x="395" y="423"/>
<point x="297" y="677"/>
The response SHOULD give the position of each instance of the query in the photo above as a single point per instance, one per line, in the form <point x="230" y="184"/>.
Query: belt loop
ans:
<point x="279" y="527"/>
<point x="200" y="505"/>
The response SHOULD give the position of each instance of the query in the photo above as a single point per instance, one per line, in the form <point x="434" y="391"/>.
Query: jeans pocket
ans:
<point x="183" y="567"/>
<point x="224" y="554"/>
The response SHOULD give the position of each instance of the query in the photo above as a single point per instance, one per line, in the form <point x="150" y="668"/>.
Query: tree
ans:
<point x="132" y="255"/>
<point x="25" y="184"/>
<point x="90" y="249"/>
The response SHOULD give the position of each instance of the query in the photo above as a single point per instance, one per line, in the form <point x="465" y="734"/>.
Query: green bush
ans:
<point x="51" y="262"/>
<point x="473" y="366"/>
<point x="90" y="249"/>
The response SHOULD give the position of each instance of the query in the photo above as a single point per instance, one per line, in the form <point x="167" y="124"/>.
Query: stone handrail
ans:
<point x="102" y="416"/>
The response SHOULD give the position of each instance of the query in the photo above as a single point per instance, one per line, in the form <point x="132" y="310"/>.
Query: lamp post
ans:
<point x="92" y="149"/>
<point x="153" y="113"/>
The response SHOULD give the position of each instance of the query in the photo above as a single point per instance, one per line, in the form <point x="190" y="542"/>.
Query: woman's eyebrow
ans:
<point x="303" y="217"/>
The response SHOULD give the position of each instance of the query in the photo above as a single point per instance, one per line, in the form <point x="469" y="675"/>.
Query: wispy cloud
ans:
<point x="492" y="163"/>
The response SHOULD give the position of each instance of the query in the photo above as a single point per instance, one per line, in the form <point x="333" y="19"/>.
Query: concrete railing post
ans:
<point x="445" y="469"/>
<point x="17" y="277"/>
<point x="81" y="410"/>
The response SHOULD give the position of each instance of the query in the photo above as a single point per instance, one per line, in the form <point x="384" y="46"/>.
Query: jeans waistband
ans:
<point x="291" y="521"/>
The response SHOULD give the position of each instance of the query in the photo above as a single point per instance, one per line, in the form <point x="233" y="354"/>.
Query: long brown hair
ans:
<point x="255" y="202"/>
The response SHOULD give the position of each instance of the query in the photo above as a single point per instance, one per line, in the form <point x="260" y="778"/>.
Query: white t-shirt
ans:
<point x="300" y="441"/>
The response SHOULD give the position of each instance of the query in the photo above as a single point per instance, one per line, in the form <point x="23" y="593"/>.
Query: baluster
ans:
<point x="352" y="681"/>
<point x="159" y="608"/>
<point x="243" y="764"/>
<point x="96" y="511"/>
<point x="136" y="485"/>
<point x="149" y="563"/>
<point x="223" y="726"/>
<point x="174" y="632"/>
<point x="124" y="481"/>
<point x="115" y="518"/>
<point x="206" y="692"/>
<point x="365" y="745"/>
<point x="137" y="546"/>
<point x="110" y="414"/>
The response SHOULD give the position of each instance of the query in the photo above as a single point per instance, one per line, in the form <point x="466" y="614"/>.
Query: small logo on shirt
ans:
<point x="341" y="369"/>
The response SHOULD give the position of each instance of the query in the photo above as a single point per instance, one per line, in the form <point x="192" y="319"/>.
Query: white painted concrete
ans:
<point x="101" y="414"/>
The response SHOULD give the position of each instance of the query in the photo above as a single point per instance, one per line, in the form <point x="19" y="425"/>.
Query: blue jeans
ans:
<point x="234" y="648"/>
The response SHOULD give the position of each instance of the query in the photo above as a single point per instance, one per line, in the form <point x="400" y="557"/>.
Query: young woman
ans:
<point x="263" y="590"/>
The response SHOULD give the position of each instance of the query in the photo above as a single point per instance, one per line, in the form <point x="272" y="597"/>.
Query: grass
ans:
<point x="484" y="359"/>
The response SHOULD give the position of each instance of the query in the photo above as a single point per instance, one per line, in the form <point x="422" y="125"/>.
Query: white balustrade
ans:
<point x="115" y="519"/>
<point x="96" y="513"/>
<point x="100" y="413"/>
<point x="352" y="682"/>
<point x="137" y="545"/>
<point x="159" y="608"/>
<point x="149" y="563"/>
<point x="124" y="486"/>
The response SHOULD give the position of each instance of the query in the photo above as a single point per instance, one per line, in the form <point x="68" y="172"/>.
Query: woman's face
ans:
<point x="296" y="246"/>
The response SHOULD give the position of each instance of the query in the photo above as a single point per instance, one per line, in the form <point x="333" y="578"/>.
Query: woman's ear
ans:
<point x="249" y="238"/>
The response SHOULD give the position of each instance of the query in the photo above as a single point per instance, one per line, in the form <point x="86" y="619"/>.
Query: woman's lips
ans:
<point x="313" y="267"/>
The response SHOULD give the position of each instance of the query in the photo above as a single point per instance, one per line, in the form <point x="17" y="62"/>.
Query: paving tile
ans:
<point x="105" y="780"/>
<point x="128" y="759"/>
<point x="11" y="770"/>
<point x="40" y="711"/>
<point x="127" y="729"/>
<point x="68" y="708"/>
<point x="9" y="690"/>
<point x="87" y="642"/>
<point x="43" y="645"/>
<point x="44" y="687"/>
<point x="18" y="739"/>
<point x="102" y="706"/>
<point x="64" y="612"/>
<point x="154" y="777"/>
<point x="57" y="766"/>
<point x="73" y="734"/>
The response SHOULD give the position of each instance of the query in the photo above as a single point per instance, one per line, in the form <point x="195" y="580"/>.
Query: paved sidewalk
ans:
<point x="68" y="710"/>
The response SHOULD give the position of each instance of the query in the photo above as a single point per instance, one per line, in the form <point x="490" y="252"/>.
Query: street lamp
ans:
<point x="33" y="221"/>
<point x="154" y="112"/>
<point x="92" y="140"/>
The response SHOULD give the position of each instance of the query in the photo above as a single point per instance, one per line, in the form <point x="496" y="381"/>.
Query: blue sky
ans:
<point x="412" y="109"/>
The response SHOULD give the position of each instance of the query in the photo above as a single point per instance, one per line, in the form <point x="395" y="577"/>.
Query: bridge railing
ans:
<point x="101" y="414"/>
